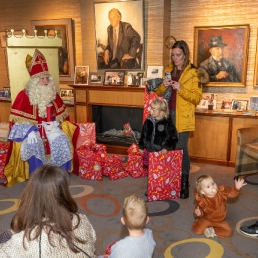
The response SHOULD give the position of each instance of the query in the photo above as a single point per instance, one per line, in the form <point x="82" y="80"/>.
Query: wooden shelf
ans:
<point x="87" y="96"/>
<point x="214" y="140"/>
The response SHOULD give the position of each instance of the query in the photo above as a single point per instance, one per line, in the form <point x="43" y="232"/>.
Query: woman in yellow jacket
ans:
<point x="182" y="77"/>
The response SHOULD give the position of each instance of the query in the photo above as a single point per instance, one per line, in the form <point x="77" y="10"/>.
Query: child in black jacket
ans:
<point x="158" y="131"/>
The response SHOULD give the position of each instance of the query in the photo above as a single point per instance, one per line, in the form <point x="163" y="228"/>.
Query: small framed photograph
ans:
<point x="67" y="96"/>
<point x="253" y="103"/>
<point x="239" y="105"/>
<point x="7" y="92"/>
<point x="66" y="93"/>
<point x="114" y="78"/>
<point x="227" y="104"/>
<point x="96" y="78"/>
<point x="81" y="75"/>
<point x="154" y="72"/>
<point x="134" y="78"/>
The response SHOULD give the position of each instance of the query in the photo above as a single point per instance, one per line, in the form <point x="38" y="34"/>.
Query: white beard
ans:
<point x="41" y="95"/>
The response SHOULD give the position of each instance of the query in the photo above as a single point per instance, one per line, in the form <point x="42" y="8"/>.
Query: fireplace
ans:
<point x="109" y="122"/>
<point x="110" y="107"/>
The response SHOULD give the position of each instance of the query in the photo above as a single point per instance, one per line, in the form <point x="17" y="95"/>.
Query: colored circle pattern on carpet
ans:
<point x="216" y="250"/>
<point x="108" y="198"/>
<point x="172" y="207"/>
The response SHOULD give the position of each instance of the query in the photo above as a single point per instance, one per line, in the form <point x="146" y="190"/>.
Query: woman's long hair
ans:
<point x="184" y="47"/>
<point x="46" y="204"/>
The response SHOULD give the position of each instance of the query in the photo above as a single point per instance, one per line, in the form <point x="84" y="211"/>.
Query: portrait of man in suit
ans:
<point x="218" y="67"/>
<point x="222" y="52"/>
<point x="120" y="46"/>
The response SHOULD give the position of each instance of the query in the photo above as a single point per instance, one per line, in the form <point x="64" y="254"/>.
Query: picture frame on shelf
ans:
<point x="154" y="72"/>
<point x="114" y="78"/>
<point x="239" y="105"/>
<point x="7" y="92"/>
<point x="66" y="52"/>
<point x="67" y="95"/>
<point x="253" y="104"/>
<point x="81" y="75"/>
<point x="234" y="40"/>
<point x="134" y="78"/>
<point x="132" y="22"/>
<point x="227" y="104"/>
<point x="96" y="78"/>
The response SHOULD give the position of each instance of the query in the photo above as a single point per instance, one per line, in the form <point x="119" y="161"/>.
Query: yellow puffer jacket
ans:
<point x="188" y="97"/>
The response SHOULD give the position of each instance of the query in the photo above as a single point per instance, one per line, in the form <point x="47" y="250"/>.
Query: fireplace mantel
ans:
<point x="85" y="96"/>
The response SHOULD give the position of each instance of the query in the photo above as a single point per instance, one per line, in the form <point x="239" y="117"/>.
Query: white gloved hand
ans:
<point x="32" y="137"/>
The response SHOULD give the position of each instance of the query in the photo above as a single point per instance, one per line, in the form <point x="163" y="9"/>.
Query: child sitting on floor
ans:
<point x="140" y="242"/>
<point x="210" y="210"/>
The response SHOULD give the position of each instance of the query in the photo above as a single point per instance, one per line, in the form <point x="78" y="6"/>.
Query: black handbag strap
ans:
<point x="62" y="236"/>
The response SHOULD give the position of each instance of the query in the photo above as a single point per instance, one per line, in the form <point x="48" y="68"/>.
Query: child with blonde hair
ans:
<point x="158" y="131"/>
<point x="210" y="210"/>
<point x="140" y="242"/>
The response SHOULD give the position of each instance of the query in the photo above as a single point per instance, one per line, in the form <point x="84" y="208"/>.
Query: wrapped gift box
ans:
<point x="3" y="155"/>
<point x="90" y="164"/>
<point x="87" y="136"/>
<point x="164" y="179"/>
<point x="113" y="167"/>
<point x="135" y="165"/>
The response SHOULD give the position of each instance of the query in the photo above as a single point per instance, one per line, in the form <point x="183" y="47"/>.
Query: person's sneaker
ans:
<point x="251" y="230"/>
<point x="209" y="232"/>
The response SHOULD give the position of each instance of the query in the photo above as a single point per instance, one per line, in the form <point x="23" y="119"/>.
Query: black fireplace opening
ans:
<point x="110" y="120"/>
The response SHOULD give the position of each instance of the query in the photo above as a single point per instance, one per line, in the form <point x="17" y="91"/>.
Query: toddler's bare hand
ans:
<point x="239" y="183"/>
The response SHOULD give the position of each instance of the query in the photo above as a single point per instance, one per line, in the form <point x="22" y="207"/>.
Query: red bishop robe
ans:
<point x="23" y="112"/>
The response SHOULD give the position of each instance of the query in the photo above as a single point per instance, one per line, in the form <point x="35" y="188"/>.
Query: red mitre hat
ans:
<point x="37" y="65"/>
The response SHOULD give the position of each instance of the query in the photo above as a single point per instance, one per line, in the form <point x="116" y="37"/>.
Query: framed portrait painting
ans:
<point x="119" y="33"/>
<point x="65" y="53"/>
<point x="81" y="75"/>
<point x="222" y="51"/>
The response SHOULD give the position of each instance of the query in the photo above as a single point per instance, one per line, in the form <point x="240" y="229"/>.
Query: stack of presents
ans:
<point x="164" y="172"/>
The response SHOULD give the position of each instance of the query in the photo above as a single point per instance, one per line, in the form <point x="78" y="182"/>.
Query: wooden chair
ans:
<point x="247" y="151"/>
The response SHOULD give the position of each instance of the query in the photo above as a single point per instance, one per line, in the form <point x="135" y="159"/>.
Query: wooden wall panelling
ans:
<point x="5" y="111"/>
<point x="209" y="139"/>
